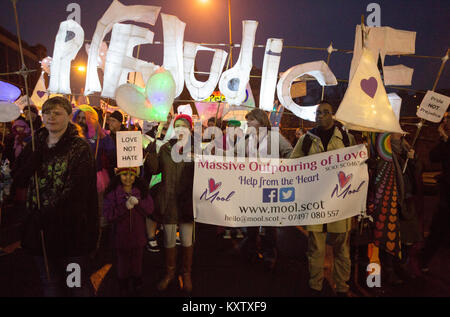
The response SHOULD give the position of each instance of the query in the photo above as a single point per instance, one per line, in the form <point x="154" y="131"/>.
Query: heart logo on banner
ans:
<point x="213" y="185"/>
<point x="369" y="86"/>
<point x="343" y="180"/>
<point x="40" y="93"/>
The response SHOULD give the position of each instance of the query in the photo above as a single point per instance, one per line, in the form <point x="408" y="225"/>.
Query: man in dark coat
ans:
<point x="62" y="221"/>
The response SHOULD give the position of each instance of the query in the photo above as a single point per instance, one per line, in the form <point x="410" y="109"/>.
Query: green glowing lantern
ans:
<point x="152" y="103"/>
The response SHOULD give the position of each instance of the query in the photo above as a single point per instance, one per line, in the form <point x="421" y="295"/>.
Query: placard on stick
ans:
<point x="129" y="148"/>
<point x="433" y="106"/>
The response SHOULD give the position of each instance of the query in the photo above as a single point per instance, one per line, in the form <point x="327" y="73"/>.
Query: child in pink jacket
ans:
<point x="127" y="204"/>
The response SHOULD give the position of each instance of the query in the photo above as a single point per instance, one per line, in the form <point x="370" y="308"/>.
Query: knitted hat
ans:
<point x="125" y="170"/>
<point x="234" y="123"/>
<point x="185" y="117"/>
<point x="21" y="122"/>
<point x="117" y="115"/>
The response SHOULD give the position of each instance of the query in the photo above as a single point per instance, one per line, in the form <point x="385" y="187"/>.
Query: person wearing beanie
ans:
<point x="174" y="199"/>
<point x="115" y="124"/>
<point x="187" y="119"/>
<point x="20" y="130"/>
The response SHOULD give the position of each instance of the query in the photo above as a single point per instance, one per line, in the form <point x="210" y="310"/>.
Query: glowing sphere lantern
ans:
<point x="152" y="103"/>
<point x="8" y="92"/>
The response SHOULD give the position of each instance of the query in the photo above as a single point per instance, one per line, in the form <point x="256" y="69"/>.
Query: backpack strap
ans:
<point x="345" y="138"/>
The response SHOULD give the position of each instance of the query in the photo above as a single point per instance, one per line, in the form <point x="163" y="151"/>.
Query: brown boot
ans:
<point x="187" y="265"/>
<point x="171" y="265"/>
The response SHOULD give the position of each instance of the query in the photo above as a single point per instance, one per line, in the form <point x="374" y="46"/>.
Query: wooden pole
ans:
<point x="24" y="73"/>
<point x="229" y="31"/>
<point x="330" y="50"/>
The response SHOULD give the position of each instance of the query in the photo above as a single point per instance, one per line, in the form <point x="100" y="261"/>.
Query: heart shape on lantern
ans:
<point x="382" y="218"/>
<point x="213" y="185"/>
<point x="369" y="86"/>
<point x="392" y="218"/>
<point x="343" y="180"/>
<point x="379" y="225"/>
<point x="40" y="93"/>
<point x="152" y="103"/>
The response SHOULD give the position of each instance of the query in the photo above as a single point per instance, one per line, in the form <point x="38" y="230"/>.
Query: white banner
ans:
<point x="316" y="189"/>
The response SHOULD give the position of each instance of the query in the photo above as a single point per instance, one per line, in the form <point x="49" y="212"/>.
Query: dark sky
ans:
<point x="299" y="22"/>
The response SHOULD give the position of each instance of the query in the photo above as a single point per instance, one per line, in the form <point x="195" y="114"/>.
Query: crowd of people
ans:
<point x="66" y="179"/>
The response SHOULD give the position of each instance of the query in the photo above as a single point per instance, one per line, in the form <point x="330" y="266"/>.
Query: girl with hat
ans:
<point x="127" y="204"/>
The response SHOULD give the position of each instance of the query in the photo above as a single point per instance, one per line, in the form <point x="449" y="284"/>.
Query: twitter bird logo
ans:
<point x="287" y="194"/>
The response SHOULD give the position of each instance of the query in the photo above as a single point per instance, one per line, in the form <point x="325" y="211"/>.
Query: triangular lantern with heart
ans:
<point x="365" y="106"/>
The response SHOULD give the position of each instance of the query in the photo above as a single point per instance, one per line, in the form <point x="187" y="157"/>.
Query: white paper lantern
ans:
<point x="69" y="39"/>
<point x="120" y="60"/>
<point x="185" y="109"/>
<point x="396" y="103"/>
<point x="233" y="81"/>
<point x="269" y="78"/>
<point x="117" y="12"/>
<point x="152" y="103"/>
<point x="202" y="90"/>
<point x="173" y="31"/>
<point x="8" y="111"/>
<point x="365" y="106"/>
<point x="382" y="41"/>
<point x="319" y="70"/>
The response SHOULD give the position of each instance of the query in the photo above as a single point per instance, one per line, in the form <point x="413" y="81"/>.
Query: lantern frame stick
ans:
<point x="421" y="122"/>
<point x="24" y="72"/>
<point x="330" y="50"/>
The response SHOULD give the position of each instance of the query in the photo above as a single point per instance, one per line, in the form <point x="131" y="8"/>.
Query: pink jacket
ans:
<point x="128" y="225"/>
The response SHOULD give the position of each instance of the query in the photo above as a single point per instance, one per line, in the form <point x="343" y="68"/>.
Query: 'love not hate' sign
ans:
<point x="433" y="106"/>
<point x="129" y="148"/>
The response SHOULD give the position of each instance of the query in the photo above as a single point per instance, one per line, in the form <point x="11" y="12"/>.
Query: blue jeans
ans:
<point x="57" y="286"/>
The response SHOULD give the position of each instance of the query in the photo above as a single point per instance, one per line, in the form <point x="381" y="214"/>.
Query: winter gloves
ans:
<point x="131" y="202"/>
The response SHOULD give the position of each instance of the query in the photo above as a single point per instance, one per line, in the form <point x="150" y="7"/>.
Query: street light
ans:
<point x="81" y="68"/>
<point x="229" y="29"/>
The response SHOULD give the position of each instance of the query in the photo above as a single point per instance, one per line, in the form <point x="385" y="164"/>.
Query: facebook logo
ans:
<point x="287" y="194"/>
<point x="270" y="195"/>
